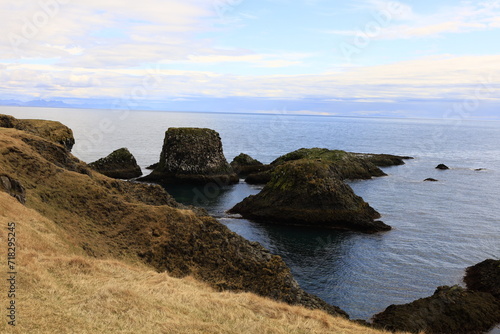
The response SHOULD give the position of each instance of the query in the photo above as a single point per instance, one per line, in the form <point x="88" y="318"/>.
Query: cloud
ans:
<point x="399" y="21"/>
<point x="435" y="78"/>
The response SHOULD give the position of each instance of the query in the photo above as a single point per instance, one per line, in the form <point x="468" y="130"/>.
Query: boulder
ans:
<point x="53" y="131"/>
<point x="120" y="164"/>
<point x="310" y="193"/>
<point x="442" y="167"/>
<point x="243" y="165"/>
<point x="485" y="277"/>
<point x="12" y="187"/>
<point x="450" y="310"/>
<point x="192" y="155"/>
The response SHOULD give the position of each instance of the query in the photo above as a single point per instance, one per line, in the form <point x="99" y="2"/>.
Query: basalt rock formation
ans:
<point x="12" y="187"/>
<point x="485" y="277"/>
<point x="50" y="130"/>
<point x="448" y="310"/>
<point x="192" y="155"/>
<point x="120" y="164"/>
<point x="139" y="222"/>
<point x="310" y="193"/>
<point x="243" y="164"/>
<point x="347" y="165"/>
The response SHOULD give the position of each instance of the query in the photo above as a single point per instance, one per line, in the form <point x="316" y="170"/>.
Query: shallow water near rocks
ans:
<point x="439" y="228"/>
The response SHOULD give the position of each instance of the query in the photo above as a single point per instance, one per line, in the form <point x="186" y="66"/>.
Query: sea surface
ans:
<point x="439" y="228"/>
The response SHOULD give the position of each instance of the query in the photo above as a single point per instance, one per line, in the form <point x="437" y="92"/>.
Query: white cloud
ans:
<point x="400" y="21"/>
<point x="439" y="77"/>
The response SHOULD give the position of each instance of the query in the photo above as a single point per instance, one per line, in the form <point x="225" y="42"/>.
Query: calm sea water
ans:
<point x="439" y="228"/>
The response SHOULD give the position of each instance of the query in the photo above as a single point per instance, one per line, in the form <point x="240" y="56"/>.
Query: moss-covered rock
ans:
<point x="192" y="155"/>
<point x="310" y="193"/>
<point x="347" y="165"/>
<point x="450" y="310"/>
<point x="485" y="277"/>
<point x="50" y="130"/>
<point x="119" y="164"/>
<point x="243" y="165"/>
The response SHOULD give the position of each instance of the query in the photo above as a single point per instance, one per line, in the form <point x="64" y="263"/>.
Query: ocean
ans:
<point x="439" y="228"/>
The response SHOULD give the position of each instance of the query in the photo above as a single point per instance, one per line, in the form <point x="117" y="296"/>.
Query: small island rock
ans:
<point x="243" y="165"/>
<point x="442" y="167"/>
<point x="192" y="155"/>
<point x="310" y="193"/>
<point x="430" y="179"/>
<point x="120" y="164"/>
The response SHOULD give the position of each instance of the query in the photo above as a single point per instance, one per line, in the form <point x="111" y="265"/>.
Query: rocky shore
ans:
<point x="141" y="222"/>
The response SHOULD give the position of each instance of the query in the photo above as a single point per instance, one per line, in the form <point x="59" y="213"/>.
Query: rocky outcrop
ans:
<point x="450" y="310"/>
<point x="120" y="164"/>
<point x="140" y="222"/>
<point x="347" y="165"/>
<point x="442" y="167"/>
<point x="13" y="187"/>
<point x="310" y="193"/>
<point x="243" y="164"/>
<point x="192" y="155"/>
<point x="50" y="130"/>
<point x="484" y="277"/>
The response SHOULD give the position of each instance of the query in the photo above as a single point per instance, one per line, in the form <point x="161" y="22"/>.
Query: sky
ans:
<point x="437" y="59"/>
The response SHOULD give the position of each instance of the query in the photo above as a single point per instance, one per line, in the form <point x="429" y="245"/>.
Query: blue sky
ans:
<point x="363" y="58"/>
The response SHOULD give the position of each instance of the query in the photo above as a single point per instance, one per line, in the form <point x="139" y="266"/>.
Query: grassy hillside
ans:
<point x="62" y="290"/>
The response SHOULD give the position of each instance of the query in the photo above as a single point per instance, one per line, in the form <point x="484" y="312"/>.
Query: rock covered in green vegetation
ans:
<point x="243" y="164"/>
<point x="310" y="193"/>
<point x="347" y="165"/>
<point x="450" y="310"/>
<point x="51" y="130"/>
<point x="12" y="187"/>
<point x="485" y="277"/>
<point x="192" y="155"/>
<point x="119" y="164"/>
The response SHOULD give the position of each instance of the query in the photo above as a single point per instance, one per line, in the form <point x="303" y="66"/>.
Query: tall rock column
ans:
<point x="192" y="155"/>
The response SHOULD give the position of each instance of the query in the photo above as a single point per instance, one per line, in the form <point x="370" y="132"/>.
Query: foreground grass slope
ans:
<point x="62" y="290"/>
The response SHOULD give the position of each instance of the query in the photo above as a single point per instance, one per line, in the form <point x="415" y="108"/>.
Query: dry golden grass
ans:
<point x="61" y="290"/>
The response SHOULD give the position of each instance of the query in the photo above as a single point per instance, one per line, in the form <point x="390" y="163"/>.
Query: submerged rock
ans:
<point x="53" y="131"/>
<point x="449" y="310"/>
<point x="192" y="155"/>
<point x="442" y="167"/>
<point x="485" y="277"/>
<point x="120" y="164"/>
<point x="310" y="193"/>
<point x="12" y="187"/>
<point x="243" y="164"/>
